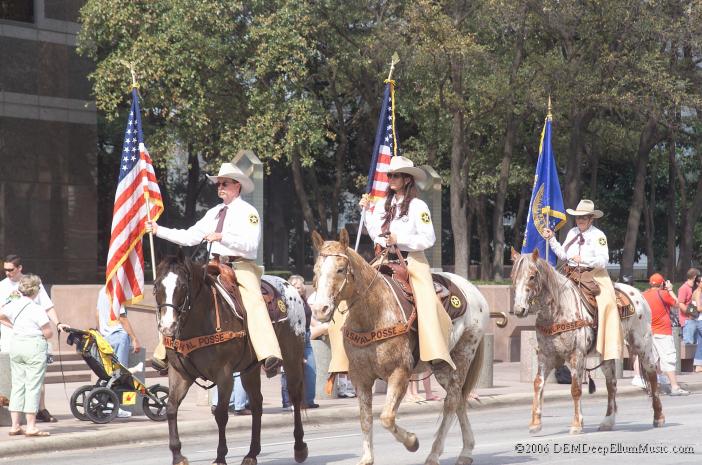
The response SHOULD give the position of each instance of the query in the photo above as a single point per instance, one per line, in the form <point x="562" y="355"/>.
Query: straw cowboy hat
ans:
<point x="585" y="207"/>
<point x="231" y="171"/>
<point x="400" y="164"/>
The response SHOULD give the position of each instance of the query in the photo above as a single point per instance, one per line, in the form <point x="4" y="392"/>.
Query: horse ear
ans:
<point x="535" y="254"/>
<point x="515" y="255"/>
<point x="317" y="240"/>
<point x="344" y="238"/>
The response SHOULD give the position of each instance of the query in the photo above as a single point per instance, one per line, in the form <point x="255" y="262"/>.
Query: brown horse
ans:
<point x="539" y="288"/>
<point x="343" y="275"/>
<point x="186" y="309"/>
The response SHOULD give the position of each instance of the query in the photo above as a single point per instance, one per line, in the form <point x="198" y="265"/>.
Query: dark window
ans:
<point x="17" y="10"/>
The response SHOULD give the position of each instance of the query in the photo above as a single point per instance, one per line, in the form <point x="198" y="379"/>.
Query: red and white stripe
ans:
<point x="380" y="178"/>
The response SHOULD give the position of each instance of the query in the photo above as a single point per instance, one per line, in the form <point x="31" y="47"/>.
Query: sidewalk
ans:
<point x="195" y="417"/>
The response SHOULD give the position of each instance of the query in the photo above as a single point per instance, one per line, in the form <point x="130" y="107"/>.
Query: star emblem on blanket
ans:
<point x="455" y="301"/>
<point x="282" y="307"/>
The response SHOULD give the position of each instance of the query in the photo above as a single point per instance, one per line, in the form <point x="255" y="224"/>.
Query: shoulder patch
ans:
<point x="425" y="217"/>
<point x="253" y="218"/>
<point x="602" y="241"/>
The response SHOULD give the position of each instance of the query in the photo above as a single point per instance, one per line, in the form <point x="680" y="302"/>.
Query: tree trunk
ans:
<point x="647" y="140"/>
<point x="691" y="218"/>
<point x="459" y="180"/>
<point x="670" y="268"/>
<point x="649" y="229"/>
<point x="520" y="219"/>
<point x="193" y="189"/>
<point x="507" y="151"/>
<point x="484" y="237"/>
<point x="299" y="183"/>
<point x="580" y="120"/>
<point x="682" y="186"/>
<point x="340" y="156"/>
<point x="594" y="165"/>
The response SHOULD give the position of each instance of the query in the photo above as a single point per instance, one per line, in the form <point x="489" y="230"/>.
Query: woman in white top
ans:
<point x="404" y="220"/>
<point x="31" y="328"/>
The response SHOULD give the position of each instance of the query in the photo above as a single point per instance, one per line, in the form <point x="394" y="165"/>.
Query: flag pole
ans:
<point x="145" y="185"/>
<point x="394" y="60"/>
<point x="548" y="215"/>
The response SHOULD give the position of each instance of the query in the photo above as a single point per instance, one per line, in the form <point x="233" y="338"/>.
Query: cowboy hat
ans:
<point x="399" y="164"/>
<point x="231" y="171"/>
<point x="584" y="208"/>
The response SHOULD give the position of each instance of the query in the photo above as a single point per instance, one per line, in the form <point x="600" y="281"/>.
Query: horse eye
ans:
<point x="531" y="278"/>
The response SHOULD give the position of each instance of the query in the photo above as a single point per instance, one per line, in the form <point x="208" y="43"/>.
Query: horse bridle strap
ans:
<point x="185" y="346"/>
<point x="362" y="339"/>
<point x="558" y="328"/>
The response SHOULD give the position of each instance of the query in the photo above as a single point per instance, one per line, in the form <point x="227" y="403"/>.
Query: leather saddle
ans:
<point x="225" y="283"/>
<point x="589" y="290"/>
<point x="451" y="297"/>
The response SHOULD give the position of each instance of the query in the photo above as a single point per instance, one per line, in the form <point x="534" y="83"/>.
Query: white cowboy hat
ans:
<point x="585" y="207"/>
<point x="231" y="171"/>
<point x="400" y="164"/>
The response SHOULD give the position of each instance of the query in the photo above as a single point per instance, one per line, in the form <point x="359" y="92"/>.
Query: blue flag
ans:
<point x="546" y="206"/>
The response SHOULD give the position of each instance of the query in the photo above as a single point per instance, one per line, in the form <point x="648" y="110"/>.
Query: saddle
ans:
<point x="226" y="284"/>
<point x="589" y="289"/>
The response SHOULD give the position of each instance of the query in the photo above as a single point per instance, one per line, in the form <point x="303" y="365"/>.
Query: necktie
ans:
<point x="220" y="216"/>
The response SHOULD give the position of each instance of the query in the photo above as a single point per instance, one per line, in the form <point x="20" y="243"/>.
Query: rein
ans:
<point x="349" y="272"/>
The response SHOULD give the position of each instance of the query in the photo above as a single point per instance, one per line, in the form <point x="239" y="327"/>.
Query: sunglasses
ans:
<point x="394" y="175"/>
<point x="224" y="183"/>
<point x="9" y="270"/>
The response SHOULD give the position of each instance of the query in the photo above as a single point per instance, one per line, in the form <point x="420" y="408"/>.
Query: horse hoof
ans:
<point x="534" y="429"/>
<point x="464" y="461"/>
<point x="183" y="462"/>
<point x="301" y="454"/>
<point x="659" y="423"/>
<point x="413" y="443"/>
<point x="576" y="430"/>
<point x="249" y="461"/>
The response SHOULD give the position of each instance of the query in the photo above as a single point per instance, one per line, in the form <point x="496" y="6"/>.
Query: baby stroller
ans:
<point x="116" y="386"/>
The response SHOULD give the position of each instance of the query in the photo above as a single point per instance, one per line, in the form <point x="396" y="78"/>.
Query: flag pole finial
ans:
<point x="130" y="65"/>
<point x="395" y="60"/>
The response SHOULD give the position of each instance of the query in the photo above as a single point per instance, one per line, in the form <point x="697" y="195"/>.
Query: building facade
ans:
<point x="48" y="142"/>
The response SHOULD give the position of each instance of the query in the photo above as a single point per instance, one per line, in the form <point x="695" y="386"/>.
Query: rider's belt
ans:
<point x="582" y="269"/>
<point x="229" y="258"/>
<point x="392" y="256"/>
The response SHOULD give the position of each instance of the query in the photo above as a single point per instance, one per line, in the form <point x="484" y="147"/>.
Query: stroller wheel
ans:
<point x="101" y="405"/>
<point x="78" y="401"/>
<point x="154" y="403"/>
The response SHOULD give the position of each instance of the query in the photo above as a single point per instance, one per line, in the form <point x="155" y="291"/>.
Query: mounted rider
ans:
<point x="585" y="249"/>
<point x="404" y="220"/>
<point x="233" y="229"/>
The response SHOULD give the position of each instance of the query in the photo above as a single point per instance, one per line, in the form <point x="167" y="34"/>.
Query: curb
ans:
<point x="194" y="428"/>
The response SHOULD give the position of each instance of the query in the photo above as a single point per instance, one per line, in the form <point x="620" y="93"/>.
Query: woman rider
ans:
<point x="586" y="249"/>
<point x="402" y="219"/>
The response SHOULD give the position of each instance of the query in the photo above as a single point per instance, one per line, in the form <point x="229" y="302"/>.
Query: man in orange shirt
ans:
<point x="661" y="299"/>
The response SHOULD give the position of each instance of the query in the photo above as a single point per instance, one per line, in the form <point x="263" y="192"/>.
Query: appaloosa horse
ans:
<point x="343" y="275"/>
<point x="189" y="315"/>
<point x="539" y="288"/>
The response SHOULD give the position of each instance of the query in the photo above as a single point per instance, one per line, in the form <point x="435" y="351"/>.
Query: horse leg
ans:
<point x="364" y="392"/>
<point x="225" y="384"/>
<point x="397" y="387"/>
<point x="544" y="369"/>
<point x="608" y="368"/>
<point x="178" y="387"/>
<point x="296" y="390"/>
<point x="252" y="385"/>
<point x="648" y="366"/>
<point x="577" y="363"/>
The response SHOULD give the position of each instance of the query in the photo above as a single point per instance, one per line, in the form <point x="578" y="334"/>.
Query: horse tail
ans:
<point x="474" y="370"/>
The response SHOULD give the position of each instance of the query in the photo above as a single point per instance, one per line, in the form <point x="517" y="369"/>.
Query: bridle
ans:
<point x="349" y="274"/>
<point x="182" y="310"/>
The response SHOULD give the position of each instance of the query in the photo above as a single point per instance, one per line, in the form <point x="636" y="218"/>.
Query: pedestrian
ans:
<point x="402" y="219"/>
<point x="689" y="325"/>
<point x="661" y="299"/>
<point x="587" y="255"/>
<point x="233" y="230"/>
<point x="310" y="368"/>
<point x="413" y="391"/>
<point x="697" y="324"/>
<point x="9" y="291"/>
<point x="119" y="333"/>
<point x="28" y="354"/>
<point x="238" y="401"/>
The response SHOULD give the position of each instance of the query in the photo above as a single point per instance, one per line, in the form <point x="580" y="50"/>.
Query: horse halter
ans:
<point x="349" y="273"/>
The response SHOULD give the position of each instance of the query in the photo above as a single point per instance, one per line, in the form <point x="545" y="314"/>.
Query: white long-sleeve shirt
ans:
<point x="241" y="230"/>
<point x="593" y="252"/>
<point x="414" y="232"/>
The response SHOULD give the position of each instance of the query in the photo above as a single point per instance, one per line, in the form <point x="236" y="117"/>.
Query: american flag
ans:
<point x="383" y="149"/>
<point x="137" y="190"/>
